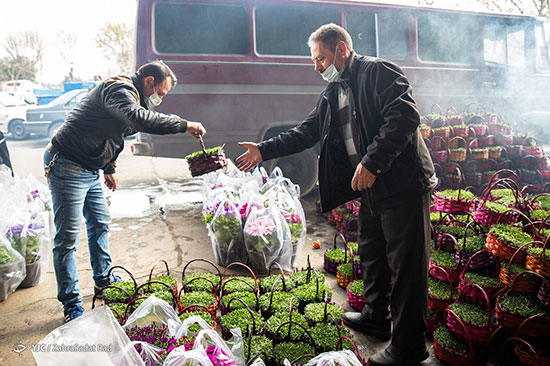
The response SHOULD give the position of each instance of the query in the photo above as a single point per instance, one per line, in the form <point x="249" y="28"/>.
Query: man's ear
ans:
<point x="148" y="80"/>
<point x="341" y="46"/>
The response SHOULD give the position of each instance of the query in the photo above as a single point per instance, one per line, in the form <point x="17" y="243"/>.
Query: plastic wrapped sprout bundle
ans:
<point x="12" y="268"/>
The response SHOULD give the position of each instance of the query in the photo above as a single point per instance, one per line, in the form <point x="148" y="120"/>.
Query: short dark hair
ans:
<point x="158" y="70"/>
<point x="329" y="35"/>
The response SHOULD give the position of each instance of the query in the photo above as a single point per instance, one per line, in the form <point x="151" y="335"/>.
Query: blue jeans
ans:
<point x="76" y="192"/>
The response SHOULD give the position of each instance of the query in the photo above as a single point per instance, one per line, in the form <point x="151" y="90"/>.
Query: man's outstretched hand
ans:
<point x="362" y="179"/>
<point x="249" y="159"/>
<point x="195" y="129"/>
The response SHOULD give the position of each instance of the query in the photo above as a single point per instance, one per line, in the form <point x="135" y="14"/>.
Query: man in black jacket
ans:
<point x="90" y="140"/>
<point x="367" y="123"/>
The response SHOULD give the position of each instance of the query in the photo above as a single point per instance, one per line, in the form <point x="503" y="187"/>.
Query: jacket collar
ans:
<point x="139" y="87"/>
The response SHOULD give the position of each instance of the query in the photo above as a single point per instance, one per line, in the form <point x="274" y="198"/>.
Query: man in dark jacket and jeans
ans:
<point x="90" y="140"/>
<point x="367" y="123"/>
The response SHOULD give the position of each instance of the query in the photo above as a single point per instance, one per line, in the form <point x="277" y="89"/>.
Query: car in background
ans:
<point x="23" y="89"/>
<point x="44" y="120"/>
<point x="12" y="114"/>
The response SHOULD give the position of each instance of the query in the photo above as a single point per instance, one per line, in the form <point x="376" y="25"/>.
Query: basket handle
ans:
<point x="125" y="270"/>
<point x="441" y="269"/>
<point x="468" y="338"/>
<point x="467" y="107"/>
<point x="299" y="358"/>
<point x="153" y="268"/>
<point x="520" y="340"/>
<point x="299" y="325"/>
<point x="516" y="252"/>
<point x="438" y="108"/>
<point x="530" y="140"/>
<point x="531" y="318"/>
<point x="282" y="273"/>
<point x="443" y="142"/>
<point x="244" y="266"/>
<point x="479" y="252"/>
<point x="450" y="110"/>
<point x="479" y="231"/>
<point x="247" y="308"/>
<point x="485" y="296"/>
<point x="526" y="272"/>
<point x="201" y="260"/>
<point x="253" y="358"/>
<point x="465" y="146"/>
<point x="452" y="238"/>
<point x="183" y="285"/>
<point x="236" y="279"/>
<point x="110" y="286"/>
<point x="272" y="292"/>
<point x="356" y="350"/>
<point x="174" y="300"/>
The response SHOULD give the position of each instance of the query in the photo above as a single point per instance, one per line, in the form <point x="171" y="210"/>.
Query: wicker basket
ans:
<point x="487" y="217"/>
<point x="357" y="302"/>
<point x="465" y="359"/>
<point x="499" y="128"/>
<point x="495" y="152"/>
<point x="480" y="333"/>
<point x="460" y="130"/>
<point x="544" y="293"/>
<point x="453" y="117"/>
<point x="472" y="292"/>
<point x="331" y="266"/>
<point x="460" y="152"/>
<point x="537" y="327"/>
<point x="531" y="147"/>
<point x="425" y="131"/>
<point x="196" y="307"/>
<point x="342" y="279"/>
<point x="452" y="273"/>
<point x="443" y="132"/>
<point x="479" y="129"/>
<point x="175" y="287"/>
<point x="450" y="205"/>
<point x="527" y="354"/>
<point x="437" y="143"/>
<point x="184" y="282"/>
<point x="539" y="264"/>
<point x="436" y="303"/>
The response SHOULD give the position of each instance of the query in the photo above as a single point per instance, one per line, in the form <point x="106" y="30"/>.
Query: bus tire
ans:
<point x="18" y="130"/>
<point x="302" y="169"/>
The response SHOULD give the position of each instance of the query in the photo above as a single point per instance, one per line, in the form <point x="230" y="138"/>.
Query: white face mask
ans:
<point x="153" y="100"/>
<point x="331" y="73"/>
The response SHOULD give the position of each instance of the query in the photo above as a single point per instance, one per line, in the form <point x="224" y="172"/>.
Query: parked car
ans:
<point x="23" y="89"/>
<point x="44" y="120"/>
<point x="12" y="114"/>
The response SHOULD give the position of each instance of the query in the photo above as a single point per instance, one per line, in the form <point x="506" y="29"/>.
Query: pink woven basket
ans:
<point x="357" y="302"/>
<point x="450" y="205"/>
<point x="480" y="333"/>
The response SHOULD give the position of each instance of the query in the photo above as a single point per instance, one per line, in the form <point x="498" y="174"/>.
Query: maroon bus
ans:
<point x="245" y="71"/>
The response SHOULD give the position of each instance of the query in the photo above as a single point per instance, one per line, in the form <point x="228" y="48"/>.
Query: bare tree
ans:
<point x="66" y="46"/>
<point x="24" y="55"/>
<point x="117" y="43"/>
<point x="531" y="7"/>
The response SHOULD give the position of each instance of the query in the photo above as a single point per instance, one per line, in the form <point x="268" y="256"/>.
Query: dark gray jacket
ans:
<point x="385" y="123"/>
<point x="93" y="133"/>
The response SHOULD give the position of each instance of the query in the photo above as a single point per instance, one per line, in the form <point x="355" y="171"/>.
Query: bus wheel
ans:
<point x="18" y="130"/>
<point x="302" y="169"/>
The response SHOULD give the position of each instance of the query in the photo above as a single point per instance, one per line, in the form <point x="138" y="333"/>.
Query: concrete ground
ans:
<point x="138" y="242"/>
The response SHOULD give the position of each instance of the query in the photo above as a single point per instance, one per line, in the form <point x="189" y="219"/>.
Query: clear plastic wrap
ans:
<point x="267" y="240"/>
<point x="12" y="268"/>
<point x="335" y="358"/>
<point x="95" y="338"/>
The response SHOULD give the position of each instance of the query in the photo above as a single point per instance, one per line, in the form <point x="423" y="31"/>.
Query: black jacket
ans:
<point x="93" y="133"/>
<point x="385" y="123"/>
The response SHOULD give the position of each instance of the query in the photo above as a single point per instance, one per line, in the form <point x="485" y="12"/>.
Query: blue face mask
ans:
<point x="331" y="73"/>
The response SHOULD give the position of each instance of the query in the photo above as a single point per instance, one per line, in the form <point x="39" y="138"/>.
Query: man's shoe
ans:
<point x="98" y="294"/>
<point x="72" y="312"/>
<point x="357" y="321"/>
<point x="392" y="357"/>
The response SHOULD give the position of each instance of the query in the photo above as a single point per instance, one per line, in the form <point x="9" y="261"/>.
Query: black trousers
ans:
<point x="394" y="247"/>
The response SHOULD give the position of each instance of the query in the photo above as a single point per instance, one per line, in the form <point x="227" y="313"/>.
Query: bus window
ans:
<point x="181" y="28"/>
<point x="393" y="35"/>
<point x="494" y="43"/>
<point x="515" y="47"/>
<point x="541" y="49"/>
<point x="504" y="44"/>
<point x="284" y="30"/>
<point x="444" y="38"/>
<point x="361" y="25"/>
